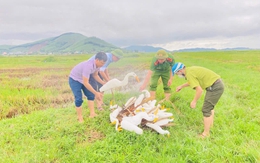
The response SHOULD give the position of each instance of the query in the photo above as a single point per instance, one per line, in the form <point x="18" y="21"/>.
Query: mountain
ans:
<point x="196" y="49"/>
<point x="137" y="48"/>
<point x="211" y="49"/>
<point x="63" y="44"/>
<point x="237" y="48"/>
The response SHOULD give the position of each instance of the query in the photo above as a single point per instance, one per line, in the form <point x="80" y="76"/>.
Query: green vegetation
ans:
<point x="38" y="119"/>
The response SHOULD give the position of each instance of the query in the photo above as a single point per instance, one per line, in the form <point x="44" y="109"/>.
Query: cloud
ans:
<point x="215" y="42"/>
<point x="124" y="23"/>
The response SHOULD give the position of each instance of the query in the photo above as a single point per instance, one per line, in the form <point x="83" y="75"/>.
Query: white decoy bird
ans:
<point x="149" y="106"/>
<point x="117" y="127"/>
<point x="137" y="119"/>
<point x="131" y="127"/>
<point x="113" y="118"/>
<point x="163" y="122"/>
<point x="146" y="93"/>
<point x="139" y="100"/>
<point x="114" y="83"/>
<point x="113" y="115"/>
<point x="152" y="103"/>
<point x="139" y="109"/>
<point x="146" y="104"/>
<point x="145" y="108"/>
<point x="112" y="107"/>
<point x="160" y="114"/>
<point x="158" y="129"/>
<point x="131" y="123"/>
<point x="163" y="114"/>
<point x="129" y="102"/>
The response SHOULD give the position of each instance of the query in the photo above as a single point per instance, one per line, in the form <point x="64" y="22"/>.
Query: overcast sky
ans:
<point x="171" y="24"/>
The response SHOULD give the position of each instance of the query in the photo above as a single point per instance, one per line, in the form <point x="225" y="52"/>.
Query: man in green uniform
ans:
<point x="160" y="68"/>
<point x="200" y="79"/>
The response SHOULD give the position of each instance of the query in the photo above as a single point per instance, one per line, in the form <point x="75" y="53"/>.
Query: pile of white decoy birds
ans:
<point x="139" y="113"/>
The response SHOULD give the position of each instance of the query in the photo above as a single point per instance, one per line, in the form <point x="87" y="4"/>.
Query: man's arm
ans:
<point x="196" y="97"/>
<point x="87" y="85"/>
<point x="97" y="78"/>
<point x="170" y="80"/>
<point x="105" y="75"/>
<point x="146" y="80"/>
<point x="182" y="86"/>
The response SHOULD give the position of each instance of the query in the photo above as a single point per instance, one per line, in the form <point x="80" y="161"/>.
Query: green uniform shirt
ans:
<point x="200" y="76"/>
<point x="165" y="66"/>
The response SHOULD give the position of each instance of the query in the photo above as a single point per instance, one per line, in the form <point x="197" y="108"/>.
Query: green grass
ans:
<point x="44" y="127"/>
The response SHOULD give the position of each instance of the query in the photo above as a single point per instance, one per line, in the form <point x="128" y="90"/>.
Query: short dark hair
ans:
<point x="101" y="56"/>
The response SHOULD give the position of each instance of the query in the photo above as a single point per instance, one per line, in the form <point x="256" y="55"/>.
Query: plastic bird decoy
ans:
<point x="114" y="83"/>
<point x="146" y="93"/>
<point x="139" y="100"/>
<point x="131" y="123"/>
<point x="158" y="129"/>
<point x="163" y="122"/>
<point x="139" y="112"/>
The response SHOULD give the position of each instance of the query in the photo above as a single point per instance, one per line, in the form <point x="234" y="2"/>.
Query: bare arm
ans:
<point x="182" y="86"/>
<point x="196" y="97"/>
<point x="105" y="75"/>
<point x="170" y="80"/>
<point x="146" y="80"/>
<point x="88" y="86"/>
<point x="97" y="78"/>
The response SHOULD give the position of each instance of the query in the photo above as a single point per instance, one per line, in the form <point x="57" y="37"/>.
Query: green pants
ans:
<point x="165" y="76"/>
<point x="212" y="96"/>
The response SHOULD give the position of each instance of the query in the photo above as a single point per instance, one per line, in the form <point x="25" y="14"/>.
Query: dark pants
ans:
<point x="76" y="88"/>
<point x="96" y="85"/>
<point x="165" y="76"/>
<point x="212" y="97"/>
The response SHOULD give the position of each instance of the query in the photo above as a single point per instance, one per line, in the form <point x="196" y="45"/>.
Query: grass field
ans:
<point x="38" y="119"/>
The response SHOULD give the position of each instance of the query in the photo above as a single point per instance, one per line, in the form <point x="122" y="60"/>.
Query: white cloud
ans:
<point x="216" y="42"/>
<point x="172" y="23"/>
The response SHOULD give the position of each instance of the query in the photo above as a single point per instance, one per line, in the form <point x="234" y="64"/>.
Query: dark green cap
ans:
<point x="161" y="54"/>
<point x="118" y="53"/>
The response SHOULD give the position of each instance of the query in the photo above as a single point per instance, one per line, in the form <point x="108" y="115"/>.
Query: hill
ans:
<point x="211" y="49"/>
<point x="196" y="49"/>
<point x="138" y="48"/>
<point x="63" y="44"/>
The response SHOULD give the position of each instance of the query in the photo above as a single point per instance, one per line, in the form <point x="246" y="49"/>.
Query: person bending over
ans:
<point x="79" y="82"/>
<point x="199" y="79"/>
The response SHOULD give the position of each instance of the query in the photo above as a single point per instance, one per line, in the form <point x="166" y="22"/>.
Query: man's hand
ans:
<point x="178" y="88"/>
<point x="193" y="104"/>
<point x="169" y="82"/>
<point x="98" y="95"/>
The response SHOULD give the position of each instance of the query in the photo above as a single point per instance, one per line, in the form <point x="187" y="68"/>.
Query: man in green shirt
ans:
<point x="200" y="78"/>
<point x="160" y="68"/>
